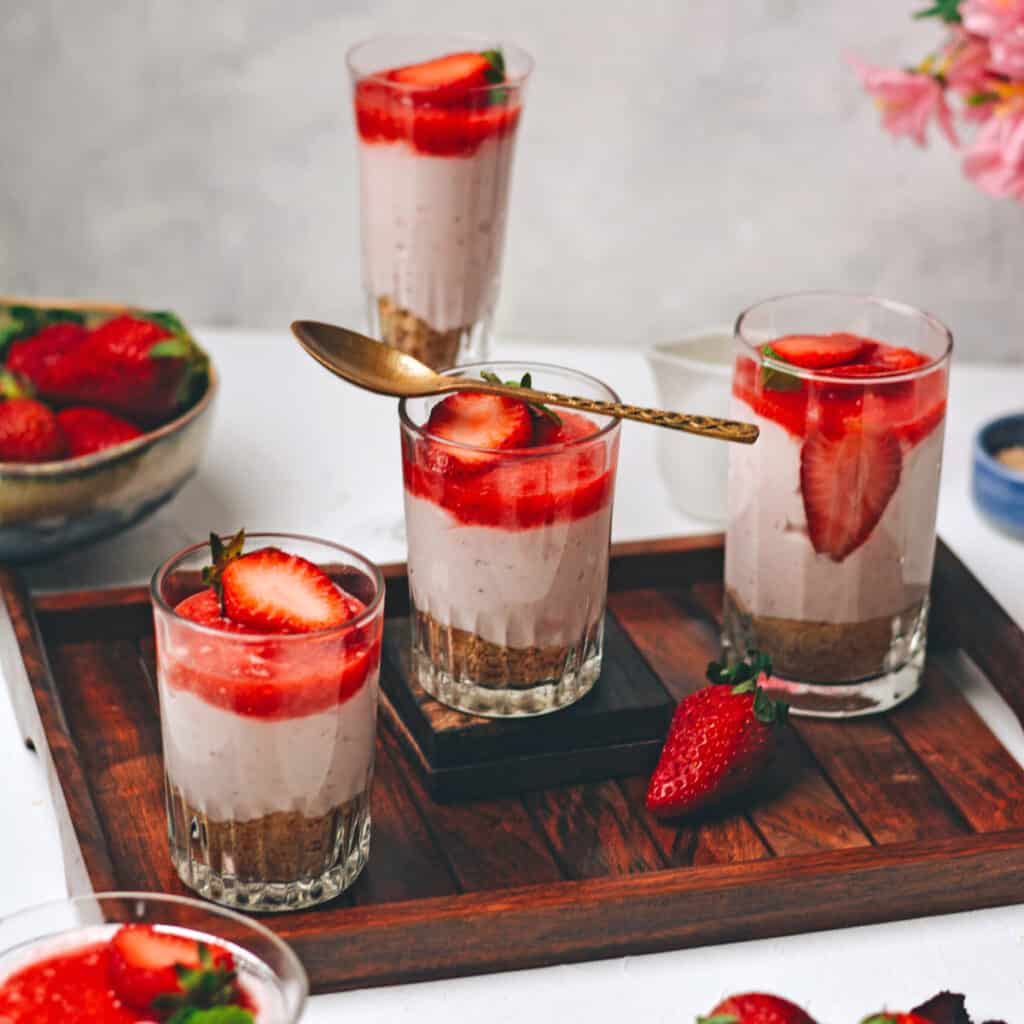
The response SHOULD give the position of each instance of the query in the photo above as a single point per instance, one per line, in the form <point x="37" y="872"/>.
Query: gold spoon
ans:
<point x="378" y="367"/>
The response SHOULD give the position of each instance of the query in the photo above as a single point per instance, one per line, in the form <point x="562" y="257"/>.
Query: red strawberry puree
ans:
<point x="832" y="510"/>
<point x="435" y="161"/>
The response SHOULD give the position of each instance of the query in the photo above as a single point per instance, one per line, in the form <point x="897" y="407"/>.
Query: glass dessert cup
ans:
<point x="508" y="563"/>
<point x="831" y="530"/>
<point x="268" y="970"/>
<point x="269" y="739"/>
<point x="435" y="173"/>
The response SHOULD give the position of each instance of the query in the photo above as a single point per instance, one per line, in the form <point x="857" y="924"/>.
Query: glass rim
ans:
<point x="867" y="299"/>
<point x="282" y="947"/>
<point x="366" y="615"/>
<point x="516" y="453"/>
<point x="483" y="41"/>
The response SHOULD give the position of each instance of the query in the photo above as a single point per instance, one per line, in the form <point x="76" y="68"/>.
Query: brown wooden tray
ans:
<point x="919" y="812"/>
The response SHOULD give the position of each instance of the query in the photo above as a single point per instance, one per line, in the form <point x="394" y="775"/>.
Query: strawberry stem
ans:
<point x="222" y="555"/>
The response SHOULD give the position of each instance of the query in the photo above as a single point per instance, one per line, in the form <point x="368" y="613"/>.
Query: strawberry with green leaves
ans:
<point x="176" y="978"/>
<point x="720" y="741"/>
<point x="756" y="1008"/>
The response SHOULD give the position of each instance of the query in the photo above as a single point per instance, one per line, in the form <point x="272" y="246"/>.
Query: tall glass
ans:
<point x="267" y="968"/>
<point x="435" y="173"/>
<point x="831" y="529"/>
<point x="508" y="563"/>
<point x="269" y="739"/>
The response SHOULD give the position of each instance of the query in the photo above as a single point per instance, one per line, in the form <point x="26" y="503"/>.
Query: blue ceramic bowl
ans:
<point x="998" y="490"/>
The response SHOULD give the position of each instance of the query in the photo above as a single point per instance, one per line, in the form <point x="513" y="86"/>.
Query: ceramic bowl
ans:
<point x="694" y="374"/>
<point x="51" y="507"/>
<point x="998" y="490"/>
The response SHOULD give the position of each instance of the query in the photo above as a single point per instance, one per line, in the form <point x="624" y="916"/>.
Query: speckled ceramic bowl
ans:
<point x="51" y="507"/>
<point x="998" y="490"/>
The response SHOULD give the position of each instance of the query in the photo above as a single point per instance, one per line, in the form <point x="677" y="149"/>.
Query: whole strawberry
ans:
<point x="131" y="366"/>
<point x="89" y="430"/>
<point x="756" y="1008"/>
<point x="38" y="356"/>
<point x="29" y="431"/>
<point x="720" y="740"/>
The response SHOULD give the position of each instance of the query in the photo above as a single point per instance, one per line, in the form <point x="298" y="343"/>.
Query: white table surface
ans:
<point x="295" y="449"/>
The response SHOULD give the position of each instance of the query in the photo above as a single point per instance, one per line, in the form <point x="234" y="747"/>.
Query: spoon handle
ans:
<point x="706" y="426"/>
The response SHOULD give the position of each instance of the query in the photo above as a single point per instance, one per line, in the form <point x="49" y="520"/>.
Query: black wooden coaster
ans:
<point x="616" y="730"/>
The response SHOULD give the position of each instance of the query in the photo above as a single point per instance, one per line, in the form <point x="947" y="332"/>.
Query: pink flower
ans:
<point x="908" y="100"/>
<point x="995" y="160"/>
<point x="965" y="62"/>
<point x="1002" y="23"/>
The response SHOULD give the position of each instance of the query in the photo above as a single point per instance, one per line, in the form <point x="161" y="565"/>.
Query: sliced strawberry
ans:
<point x="484" y="421"/>
<point x="572" y="426"/>
<point x="897" y="359"/>
<point x="819" y="351"/>
<point x="445" y="78"/>
<point x="273" y="591"/>
<point x="787" y="407"/>
<point x="143" y="961"/>
<point x="847" y="482"/>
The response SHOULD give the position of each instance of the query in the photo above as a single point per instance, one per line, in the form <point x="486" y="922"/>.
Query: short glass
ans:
<point x="508" y="564"/>
<point x="831" y="529"/>
<point x="269" y="739"/>
<point x="435" y="176"/>
<point x="267" y="968"/>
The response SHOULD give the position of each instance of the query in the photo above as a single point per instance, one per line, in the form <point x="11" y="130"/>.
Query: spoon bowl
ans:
<point x="383" y="369"/>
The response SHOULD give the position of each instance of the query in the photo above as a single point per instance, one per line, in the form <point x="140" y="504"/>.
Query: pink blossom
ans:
<point x="908" y="100"/>
<point x="995" y="160"/>
<point x="1002" y="23"/>
<point x="965" y="62"/>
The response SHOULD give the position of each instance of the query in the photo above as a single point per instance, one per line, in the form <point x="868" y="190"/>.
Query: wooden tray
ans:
<point x="919" y="812"/>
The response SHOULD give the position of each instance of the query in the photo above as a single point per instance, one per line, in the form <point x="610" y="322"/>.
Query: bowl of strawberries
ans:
<point x="104" y="414"/>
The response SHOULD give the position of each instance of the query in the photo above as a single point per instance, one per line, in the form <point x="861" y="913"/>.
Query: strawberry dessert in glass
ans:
<point x="268" y="663"/>
<point x="508" y="510"/>
<point x="831" y="531"/>
<point x="137" y="958"/>
<point x="437" y="119"/>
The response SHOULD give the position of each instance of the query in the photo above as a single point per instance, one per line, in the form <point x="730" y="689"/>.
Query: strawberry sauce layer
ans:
<point x="263" y="677"/>
<point x="387" y="113"/>
<point x="519" y="489"/>
<point x="909" y="409"/>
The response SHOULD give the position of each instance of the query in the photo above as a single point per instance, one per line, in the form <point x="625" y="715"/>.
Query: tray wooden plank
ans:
<point x="918" y="812"/>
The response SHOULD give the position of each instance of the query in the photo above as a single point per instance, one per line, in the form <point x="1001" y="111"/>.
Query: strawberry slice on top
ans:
<point x="822" y="351"/>
<point x="445" y="78"/>
<point x="847" y="482"/>
<point x="490" y="422"/>
<point x="150" y="969"/>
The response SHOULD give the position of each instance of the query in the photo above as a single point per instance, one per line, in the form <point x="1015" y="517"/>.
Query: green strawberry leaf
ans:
<point x="752" y="667"/>
<point x="946" y="10"/>
<point x="222" y="556"/>
<point x="167" y="320"/>
<point x="212" y="1015"/>
<point x="495" y="74"/>
<point x="171" y="348"/>
<point x="536" y="408"/>
<point x="774" y="379"/>
<point x="14" y="385"/>
<point x="719" y="1018"/>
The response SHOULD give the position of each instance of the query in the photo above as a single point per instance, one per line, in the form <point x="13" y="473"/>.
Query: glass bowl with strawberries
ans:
<point x="831" y="529"/>
<point x="508" y="512"/>
<point x="104" y="414"/>
<point x="129" y="958"/>
<point x="268" y="661"/>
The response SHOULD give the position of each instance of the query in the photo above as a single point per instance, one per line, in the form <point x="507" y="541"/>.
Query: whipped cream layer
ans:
<point x="538" y="587"/>
<point x="770" y="563"/>
<point x="434" y="227"/>
<point x="237" y="767"/>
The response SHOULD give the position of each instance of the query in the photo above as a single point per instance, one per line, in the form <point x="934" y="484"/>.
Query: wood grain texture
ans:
<point x="921" y="812"/>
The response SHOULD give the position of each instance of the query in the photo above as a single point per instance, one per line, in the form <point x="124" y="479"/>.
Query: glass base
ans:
<point x="474" y="698"/>
<point x="216" y="859"/>
<point x="439" y="349"/>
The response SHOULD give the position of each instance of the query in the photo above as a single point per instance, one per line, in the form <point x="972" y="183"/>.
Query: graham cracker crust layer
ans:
<point x="284" y="846"/>
<point x="819" y="652"/>
<point x="464" y="654"/>
<point x="410" y="334"/>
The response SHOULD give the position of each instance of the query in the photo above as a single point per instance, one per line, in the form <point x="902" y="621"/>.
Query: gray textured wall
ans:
<point x="677" y="160"/>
